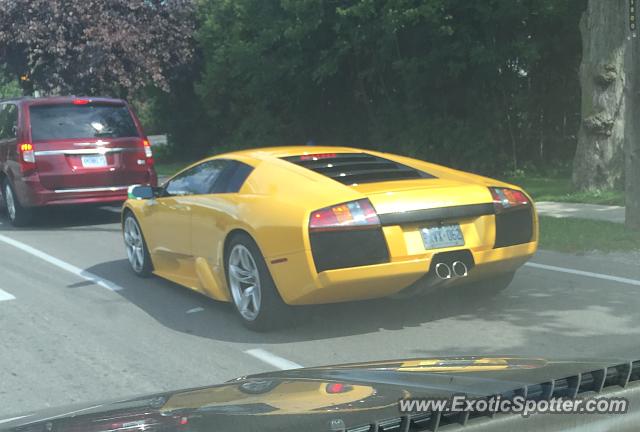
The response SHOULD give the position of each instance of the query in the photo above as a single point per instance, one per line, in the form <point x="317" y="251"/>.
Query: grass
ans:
<point x="582" y="235"/>
<point x="560" y="189"/>
<point x="169" y="168"/>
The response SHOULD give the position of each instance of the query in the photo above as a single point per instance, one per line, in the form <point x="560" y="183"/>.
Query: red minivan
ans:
<point x="69" y="150"/>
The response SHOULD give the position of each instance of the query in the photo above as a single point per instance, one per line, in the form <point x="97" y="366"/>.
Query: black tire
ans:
<point x="18" y="216"/>
<point x="490" y="287"/>
<point x="145" y="267"/>
<point x="272" y="312"/>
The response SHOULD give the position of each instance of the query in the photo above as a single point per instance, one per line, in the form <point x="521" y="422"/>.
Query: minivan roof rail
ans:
<point x="15" y="98"/>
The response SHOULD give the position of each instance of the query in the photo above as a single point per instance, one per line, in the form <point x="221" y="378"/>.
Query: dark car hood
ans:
<point x="324" y="398"/>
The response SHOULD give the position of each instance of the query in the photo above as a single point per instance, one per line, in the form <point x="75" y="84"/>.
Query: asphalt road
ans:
<point x="77" y="326"/>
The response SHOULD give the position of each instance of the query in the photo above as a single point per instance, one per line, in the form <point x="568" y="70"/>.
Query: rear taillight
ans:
<point x="27" y="157"/>
<point x="148" y="153"/>
<point x="336" y="388"/>
<point x="358" y="214"/>
<point x="506" y="199"/>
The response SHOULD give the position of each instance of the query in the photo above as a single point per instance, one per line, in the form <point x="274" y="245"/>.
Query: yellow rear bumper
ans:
<point x="299" y="284"/>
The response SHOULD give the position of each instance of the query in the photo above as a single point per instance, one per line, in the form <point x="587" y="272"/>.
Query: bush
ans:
<point x="477" y="85"/>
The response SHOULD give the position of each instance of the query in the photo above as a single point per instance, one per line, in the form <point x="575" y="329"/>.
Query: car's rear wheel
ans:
<point x="253" y="292"/>
<point x="18" y="215"/>
<point x="136" y="247"/>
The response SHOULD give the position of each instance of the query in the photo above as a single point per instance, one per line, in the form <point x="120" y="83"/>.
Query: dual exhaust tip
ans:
<point x="457" y="269"/>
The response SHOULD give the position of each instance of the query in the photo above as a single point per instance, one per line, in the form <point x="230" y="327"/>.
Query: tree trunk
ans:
<point x="632" y="189"/>
<point x="632" y="142"/>
<point x="599" y="159"/>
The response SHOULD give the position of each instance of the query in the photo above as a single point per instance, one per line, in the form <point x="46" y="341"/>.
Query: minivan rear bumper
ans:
<point x="31" y="193"/>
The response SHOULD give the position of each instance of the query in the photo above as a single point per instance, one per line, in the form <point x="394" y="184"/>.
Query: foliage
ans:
<point x="180" y="114"/>
<point x="487" y="86"/>
<point x="484" y="85"/>
<point x="94" y="46"/>
<point x="8" y="87"/>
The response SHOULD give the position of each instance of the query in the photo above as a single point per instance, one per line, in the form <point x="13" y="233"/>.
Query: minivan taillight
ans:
<point x="26" y="157"/>
<point x="358" y="214"/>
<point x="148" y="153"/>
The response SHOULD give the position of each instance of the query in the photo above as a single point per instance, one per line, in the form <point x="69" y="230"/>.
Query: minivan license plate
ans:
<point x="94" y="161"/>
<point x="442" y="236"/>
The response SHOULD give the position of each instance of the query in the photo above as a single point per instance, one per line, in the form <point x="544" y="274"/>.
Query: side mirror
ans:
<point x="141" y="192"/>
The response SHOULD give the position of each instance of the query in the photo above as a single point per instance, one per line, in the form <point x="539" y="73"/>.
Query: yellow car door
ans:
<point x="211" y="216"/>
<point x="169" y="221"/>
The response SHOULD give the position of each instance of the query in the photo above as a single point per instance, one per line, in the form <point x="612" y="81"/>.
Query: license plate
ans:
<point x="442" y="236"/>
<point x="94" y="161"/>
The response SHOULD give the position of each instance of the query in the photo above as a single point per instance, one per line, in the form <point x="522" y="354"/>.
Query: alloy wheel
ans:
<point x="10" y="202"/>
<point x="244" y="281"/>
<point x="134" y="244"/>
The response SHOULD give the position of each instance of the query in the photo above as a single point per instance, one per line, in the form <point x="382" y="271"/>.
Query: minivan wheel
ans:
<point x="253" y="292"/>
<point x="18" y="215"/>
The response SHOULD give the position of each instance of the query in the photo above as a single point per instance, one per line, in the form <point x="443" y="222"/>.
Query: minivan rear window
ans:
<point x="50" y="122"/>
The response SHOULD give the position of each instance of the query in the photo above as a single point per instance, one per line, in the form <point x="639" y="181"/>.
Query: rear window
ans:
<point x="355" y="168"/>
<point x="50" y="122"/>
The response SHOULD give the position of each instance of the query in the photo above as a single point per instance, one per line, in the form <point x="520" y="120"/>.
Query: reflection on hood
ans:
<point x="325" y="398"/>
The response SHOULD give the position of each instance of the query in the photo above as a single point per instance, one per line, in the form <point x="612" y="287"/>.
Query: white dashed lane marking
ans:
<point x="4" y="296"/>
<point x="272" y="359"/>
<point x="585" y="273"/>
<point x="7" y="420"/>
<point x="61" y="264"/>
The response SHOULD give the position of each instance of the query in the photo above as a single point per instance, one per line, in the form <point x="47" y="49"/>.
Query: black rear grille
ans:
<point x="353" y="168"/>
<point x="514" y="227"/>
<point x="348" y="248"/>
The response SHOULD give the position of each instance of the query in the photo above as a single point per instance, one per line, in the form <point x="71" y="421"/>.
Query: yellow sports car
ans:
<point x="268" y="228"/>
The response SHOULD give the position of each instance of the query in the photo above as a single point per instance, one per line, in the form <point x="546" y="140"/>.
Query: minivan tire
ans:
<point x="16" y="213"/>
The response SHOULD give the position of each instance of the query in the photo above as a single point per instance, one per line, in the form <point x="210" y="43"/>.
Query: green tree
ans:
<point x="9" y="86"/>
<point x="484" y="84"/>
